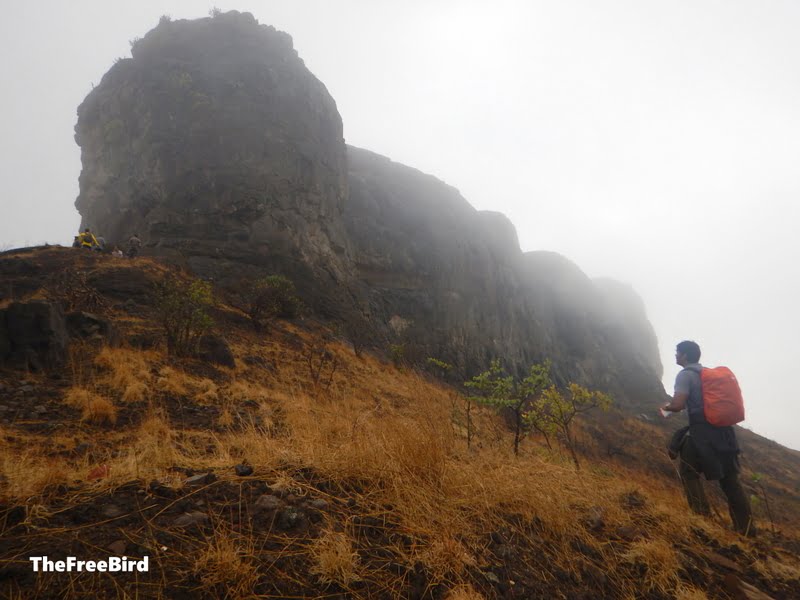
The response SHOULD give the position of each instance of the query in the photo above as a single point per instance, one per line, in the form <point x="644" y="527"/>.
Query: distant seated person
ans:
<point x="117" y="252"/>
<point x="101" y="244"/>
<point x="87" y="240"/>
<point x="134" y="245"/>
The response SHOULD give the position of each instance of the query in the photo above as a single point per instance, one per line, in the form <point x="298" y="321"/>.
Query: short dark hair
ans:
<point x="690" y="349"/>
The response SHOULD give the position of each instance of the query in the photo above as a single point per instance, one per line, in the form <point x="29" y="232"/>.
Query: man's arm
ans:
<point x="678" y="402"/>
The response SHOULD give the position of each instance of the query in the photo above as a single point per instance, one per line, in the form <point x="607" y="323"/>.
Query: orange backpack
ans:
<point x="722" y="398"/>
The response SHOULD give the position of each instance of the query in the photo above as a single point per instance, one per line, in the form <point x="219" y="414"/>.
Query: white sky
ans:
<point x="657" y="143"/>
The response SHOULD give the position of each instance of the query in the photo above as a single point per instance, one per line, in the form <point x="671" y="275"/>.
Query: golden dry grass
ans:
<point x="94" y="407"/>
<point x="127" y="372"/>
<point x="660" y="563"/>
<point x="27" y="473"/>
<point x="387" y="438"/>
<point x="175" y="382"/>
<point x="689" y="593"/>
<point x="463" y="592"/>
<point x="225" y="562"/>
<point x="771" y="567"/>
<point x="207" y="392"/>
<point x="334" y="559"/>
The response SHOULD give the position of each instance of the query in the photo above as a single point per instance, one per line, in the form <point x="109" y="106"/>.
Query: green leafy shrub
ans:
<point x="268" y="298"/>
<point x="536" y="403"/>
<point x="397" y="352"/>
<point x="557" y="410"/>
<point x="183" y="311"/>
<point x="506" y="393"/>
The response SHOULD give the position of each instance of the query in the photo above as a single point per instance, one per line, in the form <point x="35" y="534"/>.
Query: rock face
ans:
<point x="216" y="144"/>
<point x="451" y="282"/>
<point x="219" y="147"/>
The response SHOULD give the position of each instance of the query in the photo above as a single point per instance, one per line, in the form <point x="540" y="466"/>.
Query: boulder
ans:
<point x="34" y="335"/>
<point x="215" y="349"/>
<point x="190" y="519"/>
<point x="201" y="479"/>
<point x="91" y="327"/>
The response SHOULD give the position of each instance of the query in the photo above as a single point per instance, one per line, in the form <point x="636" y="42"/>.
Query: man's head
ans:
<point x="87" y="230"/>
<point x="687" y="352"/>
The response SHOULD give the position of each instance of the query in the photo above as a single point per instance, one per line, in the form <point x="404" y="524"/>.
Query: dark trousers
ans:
<point x="738" y="502"/>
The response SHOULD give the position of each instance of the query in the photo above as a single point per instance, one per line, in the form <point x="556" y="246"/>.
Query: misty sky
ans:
<point x="657" y="143"/>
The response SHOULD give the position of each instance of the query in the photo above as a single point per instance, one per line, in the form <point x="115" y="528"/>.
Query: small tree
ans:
<point x="441" y="368"/>
<point x="357" y="330"/>
<point x="183" y="312"/>
<point x="559" y="410"/>
<point x="502" y="393"/>
<point x="397" y="352"/>
<point x="757" y="478"/>
<point x="268" y="298"/>
<point x="444" y="370"/>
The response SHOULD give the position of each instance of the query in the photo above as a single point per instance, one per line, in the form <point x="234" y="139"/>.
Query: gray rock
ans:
<point x="243" y="470"/>
<point x="290" y="518"/>
<point x="82" y="448"/>
<point x="595" y="520"/>
<point x="490" y="576"/>
<point x="215" y="349"/>
<point x="318" y="504"/>
<point x="268" y="502"/>
<point x="112" y="511"/>
<point x="88" y="326"/>
<point x="202" y="479"/>
<point x="118" y="547"/>
<point x="26" y="389"/>
<point x="33" y="335"/>
<point x="192" y="518"/>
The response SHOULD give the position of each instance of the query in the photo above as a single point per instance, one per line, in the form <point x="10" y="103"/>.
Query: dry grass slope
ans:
<point x="363" y="488"/>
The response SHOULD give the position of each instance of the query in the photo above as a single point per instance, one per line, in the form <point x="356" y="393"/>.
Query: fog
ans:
<point x="656" y="143"/>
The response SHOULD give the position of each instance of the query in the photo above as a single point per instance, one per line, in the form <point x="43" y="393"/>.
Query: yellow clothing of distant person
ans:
<point x="87" y="240"/>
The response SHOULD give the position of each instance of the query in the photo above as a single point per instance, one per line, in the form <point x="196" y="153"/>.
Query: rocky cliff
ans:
<point x="452" y="282"/>
<point x="216" y="144"/>
<point x="219" y="147"/>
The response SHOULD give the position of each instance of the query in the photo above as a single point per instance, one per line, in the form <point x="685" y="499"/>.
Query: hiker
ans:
<point x="87" y="239"/>
<point x="703" y="448"/>
<point x="134" y="245"/>
<point x="101" y="244"/>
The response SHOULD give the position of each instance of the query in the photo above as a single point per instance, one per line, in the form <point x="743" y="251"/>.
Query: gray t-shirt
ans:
<point x="689" y="382"/>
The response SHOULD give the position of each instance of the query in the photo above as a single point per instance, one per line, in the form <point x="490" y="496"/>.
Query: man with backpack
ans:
<point x="87" y="240"/>
<point x="708" y="444"/>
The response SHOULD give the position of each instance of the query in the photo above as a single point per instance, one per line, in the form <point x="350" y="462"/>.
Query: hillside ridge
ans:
<point x="305" y="470"/>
